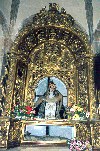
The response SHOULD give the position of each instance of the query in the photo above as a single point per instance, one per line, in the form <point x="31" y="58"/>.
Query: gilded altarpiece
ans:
<point x="50" y="44"/>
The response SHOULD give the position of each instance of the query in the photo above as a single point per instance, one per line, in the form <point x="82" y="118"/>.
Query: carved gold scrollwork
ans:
<point x="83" y="83"/>
<point x="51" y="44"/>
<point x="20" y="83"/>
<point x="48" y="51"/>
<point x="95" y="134"/>
<point x="51" y="59"/>
<point x="4" y="126"/>
<point x="83" y="132"/>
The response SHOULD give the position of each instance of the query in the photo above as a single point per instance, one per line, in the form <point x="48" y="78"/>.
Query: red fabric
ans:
<point x="29" y="109"/>
<point x="28" y="112"/>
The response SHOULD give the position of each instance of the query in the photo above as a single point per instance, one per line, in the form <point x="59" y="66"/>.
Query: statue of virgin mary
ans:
<point x="49" y="106"/>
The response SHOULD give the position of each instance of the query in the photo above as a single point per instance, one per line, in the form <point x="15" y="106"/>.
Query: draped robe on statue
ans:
<point x="50" y="105"/>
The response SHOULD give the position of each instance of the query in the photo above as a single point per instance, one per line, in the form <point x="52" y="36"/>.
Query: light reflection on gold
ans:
<point x="50" y="48"/>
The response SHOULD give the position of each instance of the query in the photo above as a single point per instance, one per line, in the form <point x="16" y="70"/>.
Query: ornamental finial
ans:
<point x="53" y="7"/>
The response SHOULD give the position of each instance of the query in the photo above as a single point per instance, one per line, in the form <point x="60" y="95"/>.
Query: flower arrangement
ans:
<point x="22" y="111"/>
<point x="80" y="145"/>
<point x="78" y="113"/>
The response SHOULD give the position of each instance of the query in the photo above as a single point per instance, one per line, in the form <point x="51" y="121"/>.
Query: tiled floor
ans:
<point x="38" y="149"/>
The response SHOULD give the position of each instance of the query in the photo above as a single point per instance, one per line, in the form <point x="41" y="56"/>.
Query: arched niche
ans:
<point x="51" y="92"/>
<point x="42" y="87"/>
<point x="56" y="62"/>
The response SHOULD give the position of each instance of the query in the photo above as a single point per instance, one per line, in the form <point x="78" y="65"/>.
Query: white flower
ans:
<point x="87" y="114"/>
<point x="72" y="110"/>
<point x="78" y="143"/>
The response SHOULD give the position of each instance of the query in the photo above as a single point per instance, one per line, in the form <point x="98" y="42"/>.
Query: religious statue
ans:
<point x="49" y="106"/>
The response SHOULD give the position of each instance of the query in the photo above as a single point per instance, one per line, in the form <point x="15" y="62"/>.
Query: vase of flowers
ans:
<point x="78" y="113"/>
<point x="22" y="112"/>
